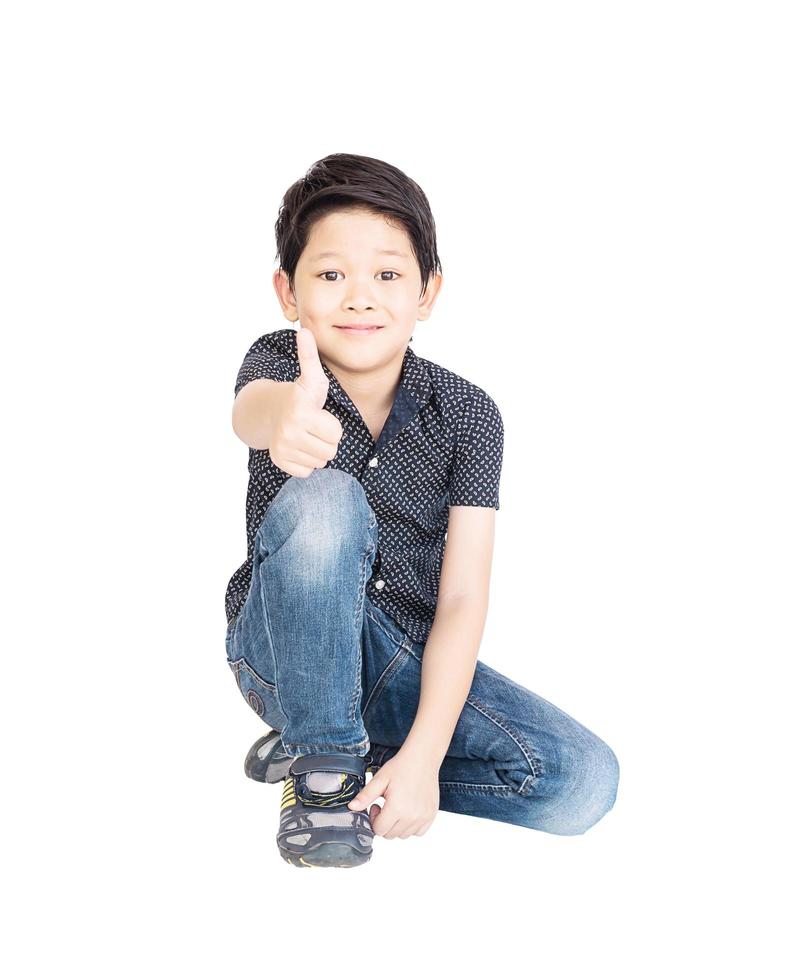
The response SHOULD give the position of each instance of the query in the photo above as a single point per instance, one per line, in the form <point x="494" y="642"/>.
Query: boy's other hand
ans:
<point x="305" y="435"/>
<point x="410" y="788"/>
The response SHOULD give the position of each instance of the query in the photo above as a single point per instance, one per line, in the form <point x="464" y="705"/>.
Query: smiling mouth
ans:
<point x="362" y="328"/>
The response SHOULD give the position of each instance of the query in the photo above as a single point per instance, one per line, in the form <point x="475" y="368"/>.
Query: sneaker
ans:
<point x="317" y="829"/>
<point x="267" y="762"/>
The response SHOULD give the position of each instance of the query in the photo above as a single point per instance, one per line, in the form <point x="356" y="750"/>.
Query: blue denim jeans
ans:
<point x="329" y="670"/>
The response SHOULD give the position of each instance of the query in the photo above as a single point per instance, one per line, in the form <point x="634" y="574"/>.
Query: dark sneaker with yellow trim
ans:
<point x="317" y="829"/>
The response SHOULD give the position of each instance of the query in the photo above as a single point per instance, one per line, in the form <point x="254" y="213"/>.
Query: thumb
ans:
<point x="311" y="372"/>
<point x="368" y="793"/>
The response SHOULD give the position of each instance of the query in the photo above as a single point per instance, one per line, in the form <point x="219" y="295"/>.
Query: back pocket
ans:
<point x="259" y="694"/>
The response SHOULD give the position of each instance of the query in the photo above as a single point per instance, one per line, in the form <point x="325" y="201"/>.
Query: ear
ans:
<point x="285" y="295"/>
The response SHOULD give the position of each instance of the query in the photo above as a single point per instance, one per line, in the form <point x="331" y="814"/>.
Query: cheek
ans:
<point x="331" y="308"/>
<point x="403" y="303"/>
<point x="317" y="311"/>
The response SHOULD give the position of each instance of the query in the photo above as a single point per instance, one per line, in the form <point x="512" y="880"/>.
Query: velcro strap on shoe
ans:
<point x="336" y="762"/>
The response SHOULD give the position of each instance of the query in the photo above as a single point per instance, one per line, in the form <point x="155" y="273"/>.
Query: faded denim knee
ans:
<point x="320" y="509"/>
<point x="592" y="790"/>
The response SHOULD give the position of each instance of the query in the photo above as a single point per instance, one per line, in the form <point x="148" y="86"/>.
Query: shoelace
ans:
<point x="349" y="787"/>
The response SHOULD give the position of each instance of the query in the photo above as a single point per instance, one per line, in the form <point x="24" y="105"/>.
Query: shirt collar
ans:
<point x="414" y="388"/>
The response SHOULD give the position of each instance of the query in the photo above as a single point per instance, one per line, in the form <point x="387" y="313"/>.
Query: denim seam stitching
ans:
<point x="356" y="696"/>
<point x="378" y="688"/>
<point x="243" y="664"/>
<point x="534" y="763"/>
<point x="495" y="789"/>
<point x="400" y="640"/>
<point x="268" y="628"/>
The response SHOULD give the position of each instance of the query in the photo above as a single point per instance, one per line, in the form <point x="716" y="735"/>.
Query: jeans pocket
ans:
<point x="401" y="655"/>
<point x="258" y="693"/>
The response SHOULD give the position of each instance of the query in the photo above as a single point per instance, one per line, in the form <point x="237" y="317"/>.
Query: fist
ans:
<point x="305" y="435"/>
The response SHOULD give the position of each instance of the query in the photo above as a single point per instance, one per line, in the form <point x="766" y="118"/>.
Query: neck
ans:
<point x="372" y="391"/>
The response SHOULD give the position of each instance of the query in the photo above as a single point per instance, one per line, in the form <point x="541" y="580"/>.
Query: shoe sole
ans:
<point x="327" y="855"/>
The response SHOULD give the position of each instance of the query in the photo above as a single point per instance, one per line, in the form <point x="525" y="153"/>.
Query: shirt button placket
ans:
<point x="373" y="462"/>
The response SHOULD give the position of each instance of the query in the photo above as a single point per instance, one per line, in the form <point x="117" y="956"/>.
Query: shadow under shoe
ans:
<point x="317" y="829"/>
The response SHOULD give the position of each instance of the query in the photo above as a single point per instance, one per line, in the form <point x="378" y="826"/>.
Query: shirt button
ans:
<point x="380" y="583"/>
<point x="373" y="462"/>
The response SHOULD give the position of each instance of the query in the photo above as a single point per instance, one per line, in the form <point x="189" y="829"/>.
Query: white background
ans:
<point x="609" y="183"/>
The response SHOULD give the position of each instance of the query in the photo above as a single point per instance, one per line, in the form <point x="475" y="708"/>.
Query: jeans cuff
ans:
<point x="300" y="748"/>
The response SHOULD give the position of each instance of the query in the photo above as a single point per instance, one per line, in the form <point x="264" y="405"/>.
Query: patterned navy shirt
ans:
<point x="442" y="445"/>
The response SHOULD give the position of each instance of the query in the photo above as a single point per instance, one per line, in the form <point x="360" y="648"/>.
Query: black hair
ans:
<point x="346" y="181"/>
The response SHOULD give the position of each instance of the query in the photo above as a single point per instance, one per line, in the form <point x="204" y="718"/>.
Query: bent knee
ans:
<point x="328" y="487"/>
<point x="327" y="498"/>
<point x="594" y="783"/>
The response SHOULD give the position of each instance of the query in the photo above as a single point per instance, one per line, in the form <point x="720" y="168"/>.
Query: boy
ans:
<point x="355" y="622"/>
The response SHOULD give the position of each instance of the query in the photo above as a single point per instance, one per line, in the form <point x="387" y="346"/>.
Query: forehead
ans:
<point x="356" y="234"/>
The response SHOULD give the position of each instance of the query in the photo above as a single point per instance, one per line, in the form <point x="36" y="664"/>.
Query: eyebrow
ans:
<point x="337" y="255"/>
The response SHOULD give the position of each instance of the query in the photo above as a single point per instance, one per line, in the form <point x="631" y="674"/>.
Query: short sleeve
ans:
<point x="477" y="463"/>
<point x="264" y="360"/>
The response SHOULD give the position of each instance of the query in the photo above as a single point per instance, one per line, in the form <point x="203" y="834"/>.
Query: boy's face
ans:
<point x="361" y="282"/>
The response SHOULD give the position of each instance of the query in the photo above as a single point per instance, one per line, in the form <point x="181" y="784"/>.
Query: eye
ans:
<point x="333" y="272"/>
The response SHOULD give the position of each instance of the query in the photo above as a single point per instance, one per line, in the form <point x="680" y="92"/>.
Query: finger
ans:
<point x="393" y="831"/>
<point x="296" y="467"/>
<point x="303" y="457"/>
<point x="327" y="427"/>
<point x="313" y="445"/>
<point x="371" y="791"/>
<point x="382" y="824"/>
<point x="386" y="823"/>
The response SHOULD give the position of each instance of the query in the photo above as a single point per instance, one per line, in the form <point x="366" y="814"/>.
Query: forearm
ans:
<point x="253" y="411"/>
<point x="448" y="668"/>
